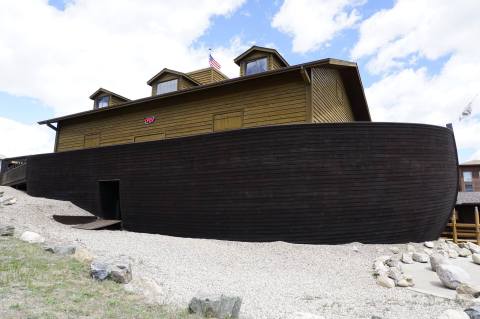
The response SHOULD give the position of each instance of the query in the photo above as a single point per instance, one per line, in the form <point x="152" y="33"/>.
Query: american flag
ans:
<point x="213" y="62"/>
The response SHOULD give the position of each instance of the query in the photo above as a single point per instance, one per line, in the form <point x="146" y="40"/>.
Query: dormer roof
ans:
<point x="169" y="71"/>
<point x="256" y="48"/>
<point x="101" y="91"/>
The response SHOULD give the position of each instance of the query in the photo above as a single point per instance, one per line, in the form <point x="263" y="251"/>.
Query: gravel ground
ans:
<point x="274" y="279"/>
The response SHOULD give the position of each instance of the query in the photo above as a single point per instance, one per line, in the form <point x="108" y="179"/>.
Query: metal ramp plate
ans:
<point x="98" y="224"/>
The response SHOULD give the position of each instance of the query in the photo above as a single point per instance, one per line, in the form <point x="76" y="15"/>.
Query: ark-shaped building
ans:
<point x="280" y="153"/>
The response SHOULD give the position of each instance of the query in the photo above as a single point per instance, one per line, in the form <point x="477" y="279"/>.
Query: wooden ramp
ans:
<point x="98" y="224"/>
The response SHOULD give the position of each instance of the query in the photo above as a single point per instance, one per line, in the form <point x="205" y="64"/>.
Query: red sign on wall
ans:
<point x="149" y="120"/>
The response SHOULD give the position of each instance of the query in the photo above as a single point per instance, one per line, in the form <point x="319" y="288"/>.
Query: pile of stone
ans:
<point x="469" y="313"/>
<point x="389" y="273"/>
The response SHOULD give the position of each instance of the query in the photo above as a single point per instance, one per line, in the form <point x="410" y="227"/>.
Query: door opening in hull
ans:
<point x="109" y="193"/>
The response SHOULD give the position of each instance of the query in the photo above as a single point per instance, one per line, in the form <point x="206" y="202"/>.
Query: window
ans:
<point x="167" y="86"/>
<point x="227" y="121"/>
<point x="256" y="66"/>
<point x="467" y="180"/>
<point x="102" y="101"/>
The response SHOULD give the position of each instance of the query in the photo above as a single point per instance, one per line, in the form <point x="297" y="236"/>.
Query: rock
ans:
<point x="464" y="252"/>
<point x="476" y="258"/>
<point x="419" y="257"/>
<point x="120" y="272"/>
<point x="383" y="258"/>
<point x="428" y="244"/>
<point x="6" y="230"/>
<point x="474" y="248"/>
<point x="407" y="258"/>
<point x="428" y="251"/>
<point x="452" y="253"/>
<point x="1" y="193"/>
<point x="437" y="259"/>
<point x="220" y="307"/>
<point x="405" y="283"/>
<point x="394" y="249"/>
<point x="453" y="314"/>
<point x="304" y="315"/>
<point x="379" y="268"/>
<point x="386" y="282"/>
<point x="410" y="248"/>
<point x="32" y="237"/>
<point x="61" y="249"/>
<point x="83" y="255"/>
<point x="467" y="292"/>
<point x="473" y="312"/>
<point x="395" y="273"/>
<point x="452" y="276"/>
<point x="148" y="287"/>
<point x="99" y="270"/>
<point x="393" y="262"/>
<point x="9" y="201"/>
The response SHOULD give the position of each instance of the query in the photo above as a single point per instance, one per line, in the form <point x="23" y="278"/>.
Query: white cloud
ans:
<point x="313" y="23"/>
<point x="61" y="57"/>
<point x="397" y="40"/>
<point x="18" y="139"/>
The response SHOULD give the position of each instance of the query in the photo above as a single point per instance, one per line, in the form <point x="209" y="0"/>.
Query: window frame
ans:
<point x="177" y="80"/>
<point x="470" y="179"/>
<point x="99" y="99"/>
<point x="254" y="60"/>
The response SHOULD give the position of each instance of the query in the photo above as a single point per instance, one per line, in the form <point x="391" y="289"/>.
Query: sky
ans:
<point x="419" y="60"/>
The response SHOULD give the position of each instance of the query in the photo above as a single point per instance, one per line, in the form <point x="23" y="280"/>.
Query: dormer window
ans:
<point x="102" y="101"/>
<point x="167" y="86"/>
<point x="256" y="66"/>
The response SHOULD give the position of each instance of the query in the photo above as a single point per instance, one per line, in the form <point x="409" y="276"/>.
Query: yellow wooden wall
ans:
<point x="330" y="103"/>
<point x="261" y="102"/>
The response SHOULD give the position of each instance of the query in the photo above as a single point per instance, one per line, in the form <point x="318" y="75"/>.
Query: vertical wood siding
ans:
<point x="330" y="103"/>
<point x="280" y="100"/>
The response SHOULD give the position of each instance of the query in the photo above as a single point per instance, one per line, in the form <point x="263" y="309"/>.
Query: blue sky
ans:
<point x="252" y="22"/>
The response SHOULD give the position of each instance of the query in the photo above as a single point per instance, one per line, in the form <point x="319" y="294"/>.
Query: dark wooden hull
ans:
<point x="310" y="183"/>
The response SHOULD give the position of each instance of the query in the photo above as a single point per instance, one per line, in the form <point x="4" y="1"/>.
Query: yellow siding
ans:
<point x="264" y="102"/>
<point x="227" y="121"/>
<point x="115" y="101"/>
<point x="203" y="76"/>
<point x="147" y="138"/>
<point x="330" y="103"/>
<point x="91" y="140"/>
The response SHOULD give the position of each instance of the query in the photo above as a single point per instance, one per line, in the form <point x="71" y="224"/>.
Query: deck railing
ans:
<point x="461" y="232"/>
<point x="13" y="171"/>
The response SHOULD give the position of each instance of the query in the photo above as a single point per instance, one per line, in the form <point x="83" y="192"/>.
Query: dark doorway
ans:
<point x="109" y="192"/>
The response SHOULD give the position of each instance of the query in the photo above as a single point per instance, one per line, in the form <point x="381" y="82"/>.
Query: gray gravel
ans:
<point x="274" y="279"/>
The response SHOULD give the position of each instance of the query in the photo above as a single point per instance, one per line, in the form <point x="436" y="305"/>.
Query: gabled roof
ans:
<point x="471" y="163"/>
<point x="169" y="71"/>
<point x="209" y="68"/>
<point x="103" y="91"/>
<point x="348" y="71"/>
<point x="262" y="49"/>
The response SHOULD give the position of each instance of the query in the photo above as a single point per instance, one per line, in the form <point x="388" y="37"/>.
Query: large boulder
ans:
<point x="437" y="259"/>
<point x="473" y="312"/>
<point x="6" y="230"/>
<point x="429" y="244"/>
<point x="217" y="306"/>
<point x="452" y="276"/>
<point x="453" y="314"/>
<point x="474" y="248"/>
<point x="464" y="252"/>
<point x="31" y="237"/>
